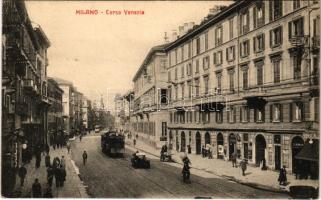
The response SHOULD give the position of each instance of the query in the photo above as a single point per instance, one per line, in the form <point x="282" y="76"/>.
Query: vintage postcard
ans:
<point x="160" y="99"/>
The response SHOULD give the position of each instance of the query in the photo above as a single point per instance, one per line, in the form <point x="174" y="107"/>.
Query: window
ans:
<point x="296" y="111"/>
<point x="206" y="41"/>
<point x="231" y="28"/>
<point x="276" y="37"/>
<point x="218" y="58"/>
<point x="231" y="114"/>
<point x="276" y="114"/>
<point x="189" y="50"/>
<point x="245" y="77"/>
<point x="259" y="73"/>
<point x="275" y="9"/>
<point x="218" y="36"/>
<point x="258" y="43"/>
<point x="296" y="58"/>
<point x="176" y="56"/>
<point x="183" y="90"/>
<point x="189" y="69"/>
<point x="182" y="71"/>
<point x="176" y="92"/>
<point x="219" y="83"/>
<point x="169" y="76"/>
<point x="182" y="53"/>
<point x="175" y="73"/>
<point x="163" y="96"/>
<point x="197" y="88"/>
<point x="205" y="117"/>
<point x="206" y="84"/>
<point x="245" y="48"/>
<point x="169" y="93"/>
<point x="197" y="67"/>
<point x="206" y="62"/>
<point x="276" y="69"/>
<point x="316" y="27"/>
<point x="259" y="114"/>
<point x="198" y="46"/>
<point x="296" y="28"/>
<point x="219" y="116"/>
<point x="231" y="77"/>
<point x="245" y="18"/>
<point x="244" y="114"/>
<point x="189" y="85"/>
<point x="296" y="4"/>
<point x="230" y="53"/>
<point x="258" y="14"/>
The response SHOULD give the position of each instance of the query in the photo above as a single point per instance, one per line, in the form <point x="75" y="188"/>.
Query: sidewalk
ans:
<point x="73" y="186"/>
<point x="254" y="177"/>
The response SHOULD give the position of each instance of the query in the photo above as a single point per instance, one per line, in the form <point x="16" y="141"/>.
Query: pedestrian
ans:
<point x="48" y="193"/>
<point x="282" y="176"/>
<point x="134" y="142"/>
<point x="210" y="153"/>
<point x="36" y="189"/>
<point x="47" y="148"/>
<point x="50" y="175"/>
<point x="84" y="157"/>
<point x="243" y="166"/>
<point x="54" y="144"/>
<point x="47" y="160"/>
<point x="68" y="146"/>
<point x="22" y="174"/>
<point x="56" y="162"/>
<point x="203" y="151"/>
<point x="57" y="174"/>
<point x="234" y="159"/>
<point x="38" y="158"/>
<point x="63" y="175"/>
<point x="63" y="162"/>
<point x="80" y="137"/>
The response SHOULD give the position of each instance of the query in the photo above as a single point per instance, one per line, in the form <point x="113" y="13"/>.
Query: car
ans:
<point x="139" y="161"/>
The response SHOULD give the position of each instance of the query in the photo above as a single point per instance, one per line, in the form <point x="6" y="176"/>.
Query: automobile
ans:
<point x="139" y="161"/>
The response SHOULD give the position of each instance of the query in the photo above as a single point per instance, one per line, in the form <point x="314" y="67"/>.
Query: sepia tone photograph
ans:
<point x="160" y="99"/>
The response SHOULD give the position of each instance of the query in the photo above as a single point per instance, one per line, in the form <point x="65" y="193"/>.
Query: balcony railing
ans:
<point x="298" y="40"/>
<point x="28" y="84"/>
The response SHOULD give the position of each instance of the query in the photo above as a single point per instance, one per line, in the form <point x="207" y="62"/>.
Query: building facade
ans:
<point x="245" y="81"/>
<point x="55" y="112"/>
<point x="24" y="90"/>
<point x="149" y="120"/>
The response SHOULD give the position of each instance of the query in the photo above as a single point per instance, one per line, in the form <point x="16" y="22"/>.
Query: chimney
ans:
<point x="165" y="38"/>
<point x="190" y="25"/>
<point x="174" y="35"/>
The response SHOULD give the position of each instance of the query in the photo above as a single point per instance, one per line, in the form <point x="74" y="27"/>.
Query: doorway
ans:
<point x="220" y="146"/>
<point x="277" y="157"/>
<point x="198" y="143"/>
<point x="207" y="138"/>
<point x="297" y="145"/>
<point x="183" y="141"/>
<point x="260" y="146"/>
<point x="232" y="145"/>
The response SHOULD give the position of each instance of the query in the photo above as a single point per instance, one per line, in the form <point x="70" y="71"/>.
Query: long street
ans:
<point x="116" y="178"/>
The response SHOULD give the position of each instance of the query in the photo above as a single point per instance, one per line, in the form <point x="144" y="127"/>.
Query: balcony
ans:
<point x="28" y="85"/>
<point x="45" y="100"/>
<point x="298" y="40"/>
<point x="22" y="109"/>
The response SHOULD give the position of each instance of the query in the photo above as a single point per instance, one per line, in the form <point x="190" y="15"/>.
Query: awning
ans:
<point x="309" y="152"/>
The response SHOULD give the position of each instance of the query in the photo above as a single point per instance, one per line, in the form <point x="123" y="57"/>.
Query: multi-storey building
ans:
<point x="245" y="81"/>
<point x="24" y="103"/>
<point x="149" y="120"/>
<point x="85" y="113"/>
<point x="55" y="112"/>
<point x="67" y="105"/>
<point x="122" y="109"/>
<point x="77" y="108"/>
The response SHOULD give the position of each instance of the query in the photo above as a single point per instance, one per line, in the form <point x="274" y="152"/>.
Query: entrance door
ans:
<point x="207" y="138"/>
<point x="260" y="146"/>
<point x="220" y="146"/>
<point x="232" y="145"/>
<point x="277" y="157"/>
<point x="297" y="145"/>
<point x="198" y="143"/>
<point x="183" y="142"/>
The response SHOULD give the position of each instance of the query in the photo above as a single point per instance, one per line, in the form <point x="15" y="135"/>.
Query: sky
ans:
<point x="101" y="53"/>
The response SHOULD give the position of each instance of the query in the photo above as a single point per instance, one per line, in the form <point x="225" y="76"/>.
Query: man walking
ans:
<point x="38" y="158"/>
<point x="22" y="174"/>
<point x="84" y="157"/>
<point x="50" y="175"/>
<point x="243" y="166"/>
<point x="68" y="146"/>
<point x="47" y="160"/>
<point x="63" y="162"/>
<point x="36" y="189"/>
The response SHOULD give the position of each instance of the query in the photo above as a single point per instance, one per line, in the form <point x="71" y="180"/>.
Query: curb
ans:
<point x="253" y="185"/>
